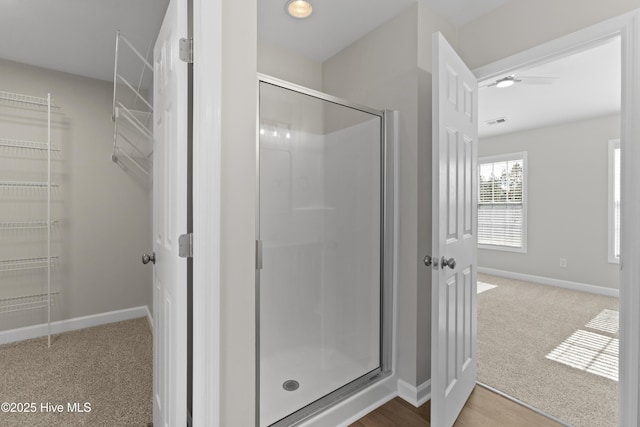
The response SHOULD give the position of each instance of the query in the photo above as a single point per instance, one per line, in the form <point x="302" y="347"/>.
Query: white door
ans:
<point x="170" y="221"/>
<point x="453" y="318"/>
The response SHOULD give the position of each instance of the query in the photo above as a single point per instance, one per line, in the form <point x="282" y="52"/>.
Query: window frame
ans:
<point x="613" y="144"/>
<point x="525" y="195"/>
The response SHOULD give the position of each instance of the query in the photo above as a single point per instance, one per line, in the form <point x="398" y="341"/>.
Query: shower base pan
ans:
<point x="316" y="372"/>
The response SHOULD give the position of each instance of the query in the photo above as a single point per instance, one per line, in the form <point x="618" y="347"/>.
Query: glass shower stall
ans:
<point x="324" y="251"/>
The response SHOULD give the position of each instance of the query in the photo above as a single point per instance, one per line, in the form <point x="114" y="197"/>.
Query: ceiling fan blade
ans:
<point x="503" y="82"/>
<point x="488" y="85"/>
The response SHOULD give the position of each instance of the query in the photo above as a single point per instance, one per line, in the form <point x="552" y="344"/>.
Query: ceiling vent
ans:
<point x="497" y="121"/>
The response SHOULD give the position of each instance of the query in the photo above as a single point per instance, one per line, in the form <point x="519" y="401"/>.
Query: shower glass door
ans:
<point x="321" y="243"/>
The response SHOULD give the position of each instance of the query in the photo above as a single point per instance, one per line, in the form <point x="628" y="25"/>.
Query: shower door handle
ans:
<point x="149" y="257"/>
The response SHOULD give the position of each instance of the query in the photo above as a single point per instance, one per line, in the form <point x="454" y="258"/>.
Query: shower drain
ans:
<point x="291" y="385"/>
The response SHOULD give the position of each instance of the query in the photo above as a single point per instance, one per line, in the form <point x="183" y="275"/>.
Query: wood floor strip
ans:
<point x="484" y="408"/>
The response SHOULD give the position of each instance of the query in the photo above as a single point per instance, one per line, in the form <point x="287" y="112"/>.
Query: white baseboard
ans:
<point x="417" y="396"/>
<point x="36" y="331"/>
<point x="576" y="286"/>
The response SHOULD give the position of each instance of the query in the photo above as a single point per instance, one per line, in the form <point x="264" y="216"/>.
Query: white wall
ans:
<point x="105" y="211"/>
<point x="277" y="62"/>
<point x="428" y="23"/>
<point x="522" y="24"/>
<point x="567" y="201"/>
<point x="238" y="213"/>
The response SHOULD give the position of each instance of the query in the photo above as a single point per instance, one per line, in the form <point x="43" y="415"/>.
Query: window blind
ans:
<point x="501" y="216"/>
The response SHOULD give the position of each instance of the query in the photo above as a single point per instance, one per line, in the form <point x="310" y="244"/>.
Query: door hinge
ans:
<point x="185" y="245"/>
<point x="258" y="254"/>
<point x="186" y="50"/>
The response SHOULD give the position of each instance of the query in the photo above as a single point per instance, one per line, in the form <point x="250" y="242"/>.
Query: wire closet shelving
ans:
<point x="132" y="110"/>
<point x="29" y="301"/>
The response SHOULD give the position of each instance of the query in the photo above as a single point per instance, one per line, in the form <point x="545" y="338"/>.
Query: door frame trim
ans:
<point x="316" y="94"/>
<point x="207" y="144"/>
<point x="627" y="26"/>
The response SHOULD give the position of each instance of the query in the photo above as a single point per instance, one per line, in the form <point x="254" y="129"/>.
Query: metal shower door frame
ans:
<point x="388" y="121"/>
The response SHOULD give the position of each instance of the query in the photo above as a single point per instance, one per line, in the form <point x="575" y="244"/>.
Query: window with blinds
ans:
<point x="502" y="219"/>
<point x="614" y="201"/>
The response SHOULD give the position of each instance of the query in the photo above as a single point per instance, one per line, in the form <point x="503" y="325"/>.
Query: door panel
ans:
<point x="454" y="329"/>
<point x="169" y="220"/>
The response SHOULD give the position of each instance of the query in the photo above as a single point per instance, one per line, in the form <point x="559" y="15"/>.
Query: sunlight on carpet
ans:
<point x="592" y="352"/>
<point x="606" y="321"/>
<point x="482" y="286"/>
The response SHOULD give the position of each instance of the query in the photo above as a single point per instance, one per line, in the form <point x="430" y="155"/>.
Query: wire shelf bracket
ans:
<point x="132" y="124"/>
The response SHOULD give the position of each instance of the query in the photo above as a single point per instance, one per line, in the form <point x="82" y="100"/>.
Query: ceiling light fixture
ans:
<point x="299" y="9"/>
<point x="506" y="82"/>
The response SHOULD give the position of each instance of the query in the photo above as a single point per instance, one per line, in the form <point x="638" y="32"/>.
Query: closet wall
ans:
<point x="104" y="210"/>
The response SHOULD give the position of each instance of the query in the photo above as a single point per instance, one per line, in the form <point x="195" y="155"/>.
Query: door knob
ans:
<point x="428" y="261"/>
<point x="451" y="262"/>
<point x="149" y="257"/>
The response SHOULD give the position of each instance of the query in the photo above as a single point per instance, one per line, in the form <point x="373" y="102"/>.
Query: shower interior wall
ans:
<point x="319" y="223"/>
<point x="103" y="211"/>
<point x="300" y="202"/>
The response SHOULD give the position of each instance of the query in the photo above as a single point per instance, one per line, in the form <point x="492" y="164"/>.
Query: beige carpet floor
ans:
<point x="109" y="367"/>
<point x="552" y="348"/>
